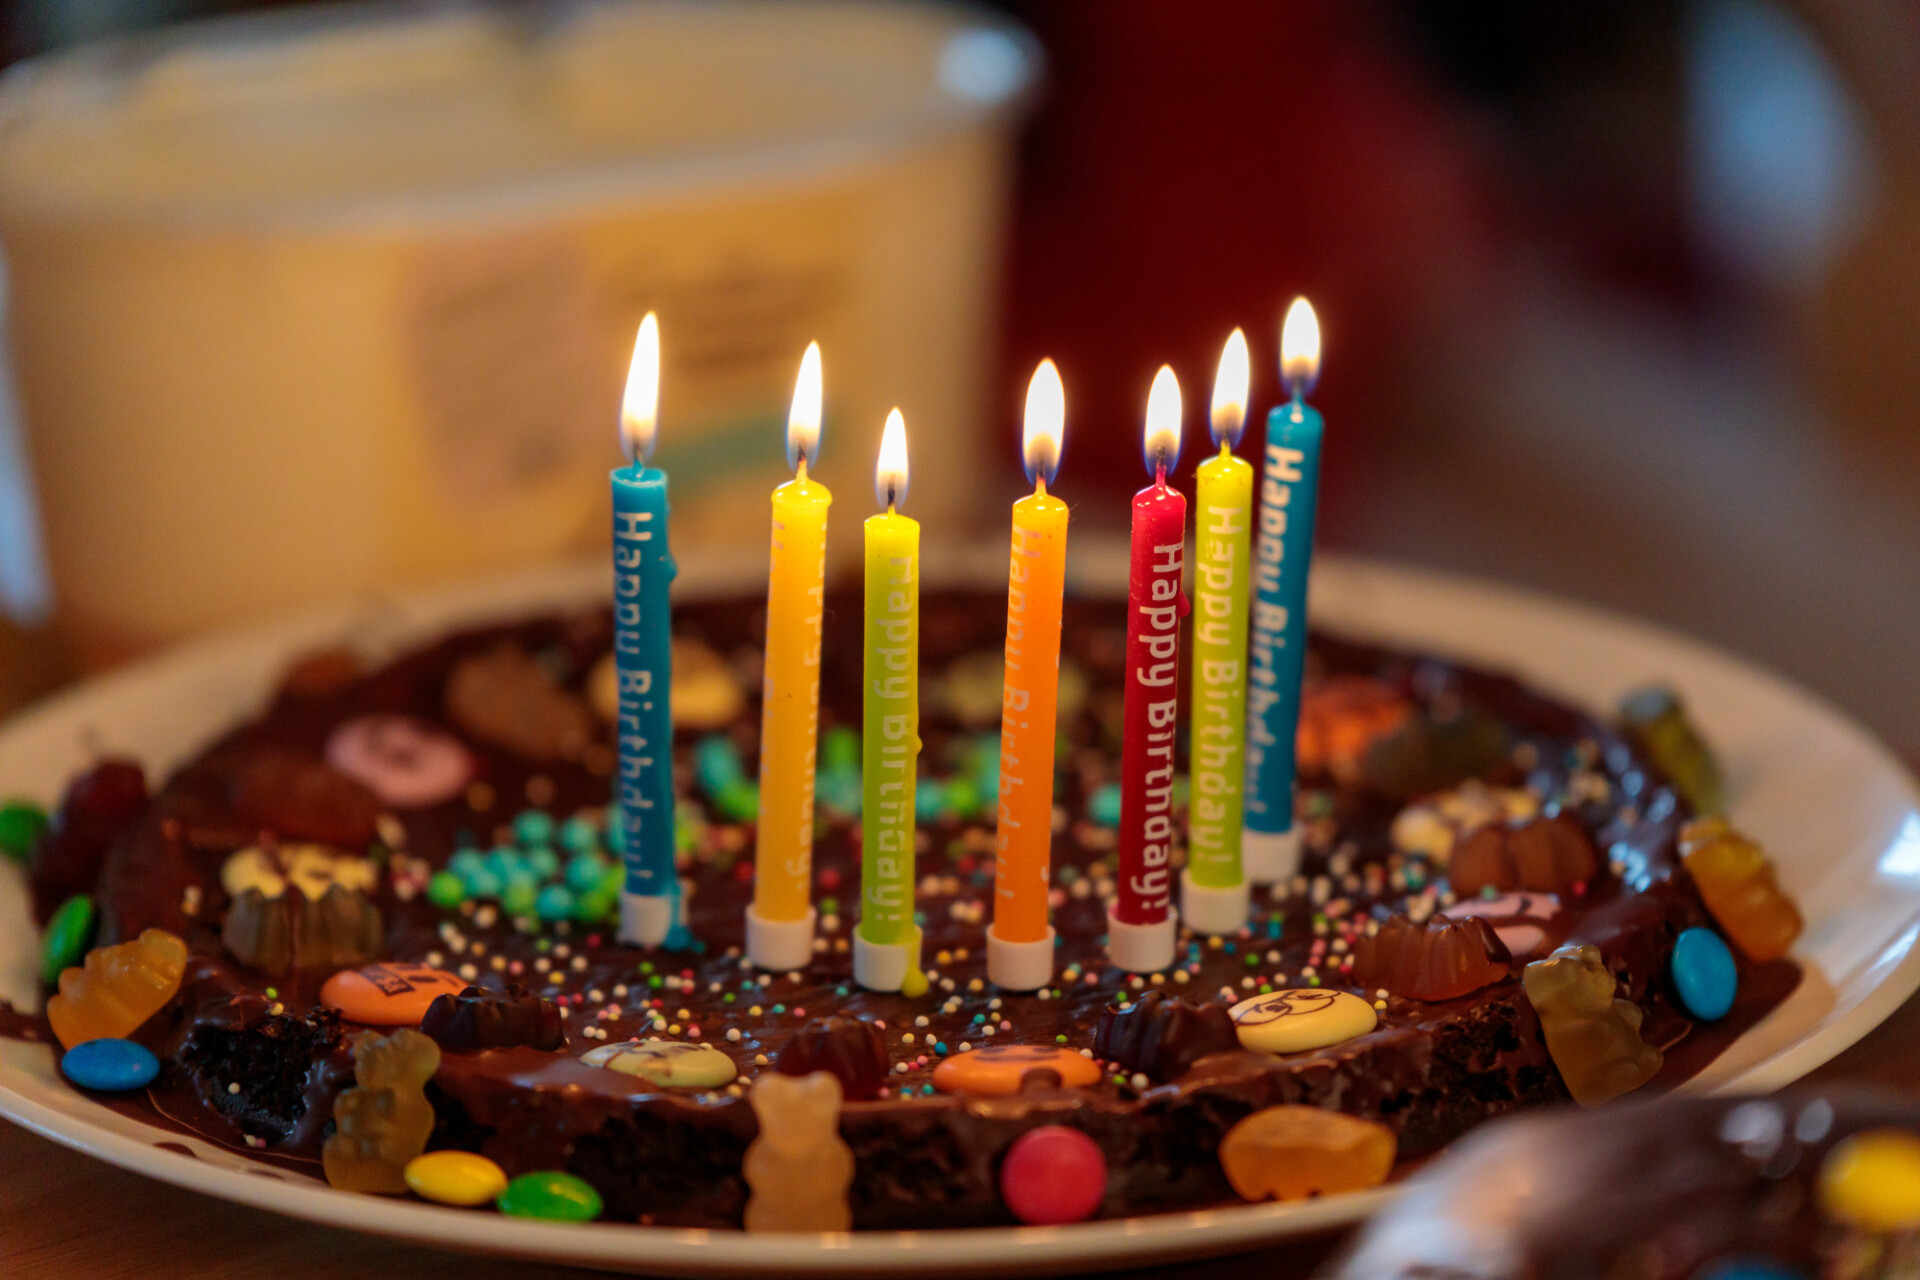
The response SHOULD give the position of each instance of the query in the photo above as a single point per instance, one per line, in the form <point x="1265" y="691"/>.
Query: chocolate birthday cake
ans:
<point x="380" y="919"/>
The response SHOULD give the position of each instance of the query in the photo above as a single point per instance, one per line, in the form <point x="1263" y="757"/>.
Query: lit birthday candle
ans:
<point x="886" y="947"/>
<point x="780" y="920"/>
<point x="1020" y="939"/>
<point x="1283" y="552"/>
<point x="643" y="572"/>
<point x="1213" y="889"/>
<point x="1140" y="923"/>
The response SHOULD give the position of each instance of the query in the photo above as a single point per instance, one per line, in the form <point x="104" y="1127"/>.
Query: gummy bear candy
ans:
<point x="1546" y="855"/>
<point x="385" y="1119"/>
<point x="1339" y="719"/>
<point x="1439" y="959"/>
<point x="95" y="808"/>
<point x="1737" y="883"/>
<point x="1292" y="1152"/>
<point x="117" y="988"/>
<point x="505" y="697"/>
<point x="852" y="1050"/>
<point x="798" y="1168"/>
<point x="1428" y="753"/>
<point x="1161" y="1035"/>
<point x="1593" y="1038"/>
<point x="292" y="932"/>
<point x="1657" y="722"/>
<point x="300" y="797"/>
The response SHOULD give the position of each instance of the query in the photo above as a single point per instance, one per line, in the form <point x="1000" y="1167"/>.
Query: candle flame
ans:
<point x="1230" y="391"/>
<point x="803" y="419"/>
<point x="1161" y="445"/>
<point x="640" y="407"/>
<point x="890" y="472"/>
<point x="1045" y="427"/>
<point x="1300" y="349"/>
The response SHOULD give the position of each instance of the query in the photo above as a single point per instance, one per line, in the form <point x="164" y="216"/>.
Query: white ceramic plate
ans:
<point x="1841" y="816"/>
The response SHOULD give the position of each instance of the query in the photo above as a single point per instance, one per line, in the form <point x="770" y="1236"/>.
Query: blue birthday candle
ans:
<point x="643" y="573"/>
<point x="1282" y="555"/>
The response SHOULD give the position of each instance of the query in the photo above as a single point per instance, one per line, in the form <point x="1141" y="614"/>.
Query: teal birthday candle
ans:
<point x="1282" y="556"/>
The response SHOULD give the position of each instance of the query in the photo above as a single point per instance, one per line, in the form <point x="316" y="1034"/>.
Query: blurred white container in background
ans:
<point x="317" y="303"/>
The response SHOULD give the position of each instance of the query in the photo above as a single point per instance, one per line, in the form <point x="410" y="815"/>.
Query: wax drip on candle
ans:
<point x="1230" y="386"/>
<point x="1160" y="445"/>
<point x="1300" y="349"/>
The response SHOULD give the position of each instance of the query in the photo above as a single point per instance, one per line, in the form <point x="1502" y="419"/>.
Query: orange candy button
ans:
<point x="998" y="1069"/>
<point x="388" y="995"/>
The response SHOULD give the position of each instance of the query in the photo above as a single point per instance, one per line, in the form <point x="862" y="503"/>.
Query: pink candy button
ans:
<point x="406" y="763"/>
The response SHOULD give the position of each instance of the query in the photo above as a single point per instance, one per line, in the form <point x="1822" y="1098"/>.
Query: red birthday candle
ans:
<point x="1141" y="922"/>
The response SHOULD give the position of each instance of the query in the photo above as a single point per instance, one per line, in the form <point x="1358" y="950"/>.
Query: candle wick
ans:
<point x="1226" y="447"/>
<point x="800" y="471"/>
<point x="1160" y="469"/>
<point x="1040" y="486"/>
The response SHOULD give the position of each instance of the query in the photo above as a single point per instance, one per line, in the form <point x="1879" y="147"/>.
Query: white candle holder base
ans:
<point x="1019" y="966"/>
<point x="780" y="945"/>
<point x="647" y="918"/>
<point x="1213" y="911"/>
<point x="884" y="966"/>
<point x="1270" y="857"/>
<point x="1140" y="948"/>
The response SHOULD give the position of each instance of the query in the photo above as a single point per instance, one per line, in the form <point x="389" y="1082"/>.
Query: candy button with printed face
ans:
<point x="407" y="763"/>
<point x="1521" y="919"/>
<point x="674" y="1064"/>
<point x="998" y="1069"/>
<point x="1301" y="1018"/>
<point x="388" y="995"/>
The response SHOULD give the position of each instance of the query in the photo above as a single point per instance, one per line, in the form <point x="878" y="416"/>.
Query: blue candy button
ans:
<point x="111" y="1066"/>
<point x="1748" y="1268"/>
<point x="1704" y="974"/>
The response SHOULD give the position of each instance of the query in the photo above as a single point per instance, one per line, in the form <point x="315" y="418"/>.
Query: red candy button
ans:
<point x="388" y="995"/>
<point x="1053" y="1174"/>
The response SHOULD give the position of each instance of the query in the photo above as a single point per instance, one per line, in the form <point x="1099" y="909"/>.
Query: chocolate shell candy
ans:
<point x="1545" y="855"/>
<point x="1430" y="753"/>
<point x="300" y="797"/>
<point x="505" y="697"/>
<point x="1657" y="722"/>
<point x="294" y="933"/>
<point x="852" y="1050"/>
<point x="1162" y="1036"/>
<point x="1441" y="959"/>
<point x="479" y="1018"/>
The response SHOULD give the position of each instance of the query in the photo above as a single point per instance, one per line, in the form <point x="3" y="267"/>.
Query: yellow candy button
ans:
<point x="673" y="1064"/>
<point x="1872" y="1181"/>
<point x="455" y="1177"/>
<point x="997" y="1069"/>
<point x="388" y="995"/>
<point x="1301" y="1018"/>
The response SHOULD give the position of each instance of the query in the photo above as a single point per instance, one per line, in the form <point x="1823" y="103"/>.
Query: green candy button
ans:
<point x="65" y="942"/>
<point x="20" y="827"/>
<point x="552" y="1195"/>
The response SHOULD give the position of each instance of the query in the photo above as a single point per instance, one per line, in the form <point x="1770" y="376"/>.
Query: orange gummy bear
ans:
<point x="117" y="988"/>
<point x="1292" y="1152"/>
<point x="1339" y="719"/>
<point x="1737" y="883"/>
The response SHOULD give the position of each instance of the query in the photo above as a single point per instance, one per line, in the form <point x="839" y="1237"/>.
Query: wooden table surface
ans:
<point x="64" y="1216"/>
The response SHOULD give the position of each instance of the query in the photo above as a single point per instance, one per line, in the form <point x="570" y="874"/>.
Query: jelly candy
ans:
<point x="551" y="1195"/>
<point x="798" y="1169"/>
<point x="294" y="933"/>
<point x="1704" y="974"/>
<point x="1340" y="717"/>
<point x="705" y="693"/>
<point x="998" y="1070"/>
<point x="66" y="937"/>
<point x="971" y="688"/>
<point x="1161" y="1036"/>
<point x="1432" y="826"/>
<point x="1440" y="959"/>
<point x="1052" y="1175"/>
<point x="852" y="1050"/>
<point x="672" y="1064"/>
<point x="1871" y="1180"/>
<point x="117" y="988"/>
<point x="388" y="995"/>
<point x="384" y="1121"/>
<point x="1301" y="1018"/>
<point x="320" y="673"/>
<point x="1521" y="920"/>
<point x="1657" y="722"/>
<point x="407" y="763"/>
<point x="1433" y="752"/>
<point x="1292" y="1152"/>
<point x="1548" y="855"/>
<point x="1593" y="1038"/>
<point x="97" y="805"/>
<point x="1737" y="883"/>
<point x="110" y="1065"/>
<point x="454" y="1177"/>
<point x="479" y="1018"/>
<point x="300" y="797"/>
<point x="21" y="826"/>
<point x="312" y="868"/>
<point x="504" y="696"/>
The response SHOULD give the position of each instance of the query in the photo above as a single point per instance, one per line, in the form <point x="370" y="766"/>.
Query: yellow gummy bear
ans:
<point x="117" y="988"/>
<point x="799" y="1168"/>
<point x="1291" y="1152"/>
<point x="1737" y="883"/>
<point x="1593" y="1038"/>
<point x="384" y="1121"/>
